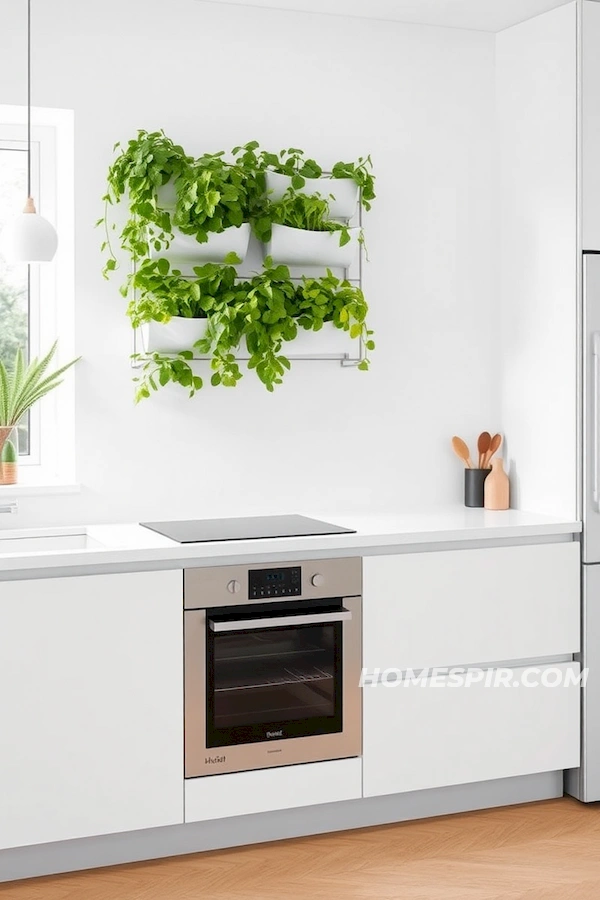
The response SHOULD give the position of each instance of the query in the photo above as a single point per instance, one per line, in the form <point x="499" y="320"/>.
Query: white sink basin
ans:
<point x="32" y="542"/>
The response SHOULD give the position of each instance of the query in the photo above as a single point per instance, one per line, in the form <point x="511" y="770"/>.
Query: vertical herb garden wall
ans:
<point x="194" y="283"/>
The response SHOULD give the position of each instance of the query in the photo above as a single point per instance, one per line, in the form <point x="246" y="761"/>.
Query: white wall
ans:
<point x="420" y="99"/>
<point x="536" y="80"/>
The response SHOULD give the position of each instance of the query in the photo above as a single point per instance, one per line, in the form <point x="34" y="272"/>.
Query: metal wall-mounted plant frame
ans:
<point x="335" y="352"/>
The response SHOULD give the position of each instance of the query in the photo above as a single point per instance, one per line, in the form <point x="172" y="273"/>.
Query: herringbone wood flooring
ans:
<point x="541" y="851"/>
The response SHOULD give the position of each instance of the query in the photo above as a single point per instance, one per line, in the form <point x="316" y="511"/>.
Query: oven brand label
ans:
<point x="272" y="734"/>
<point x="213" y="760"/>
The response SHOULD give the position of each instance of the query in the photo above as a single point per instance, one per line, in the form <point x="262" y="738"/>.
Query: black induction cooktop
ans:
<point x="196" y="531"/>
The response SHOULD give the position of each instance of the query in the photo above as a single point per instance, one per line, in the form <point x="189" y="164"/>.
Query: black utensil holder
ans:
<point x="474" y="482"/>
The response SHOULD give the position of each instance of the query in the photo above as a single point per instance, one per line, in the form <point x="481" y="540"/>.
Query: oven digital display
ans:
<point x="286" y="582"/>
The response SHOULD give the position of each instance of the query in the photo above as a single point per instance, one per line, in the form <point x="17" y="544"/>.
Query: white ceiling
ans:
<point x="481" y="15"/>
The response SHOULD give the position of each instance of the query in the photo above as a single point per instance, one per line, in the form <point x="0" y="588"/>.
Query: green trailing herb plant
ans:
<point x="361" y="172"/>
<point x="160" y="292"/>
<point x="308" y="213"/>
<point x="293" y="163"/>
<point x="331" y="299"/>
<point x="148" y="162"/>
<point x="210" y="194"/>
<point x="266" y="312"/>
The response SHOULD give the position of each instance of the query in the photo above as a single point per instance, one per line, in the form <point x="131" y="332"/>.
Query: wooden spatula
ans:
<point x="483" y="445"/>
<point x="462" y="451"/>
<point x="494" y="447"/>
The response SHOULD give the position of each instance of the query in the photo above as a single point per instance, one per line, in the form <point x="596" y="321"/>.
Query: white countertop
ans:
<point x="127" y="547"/>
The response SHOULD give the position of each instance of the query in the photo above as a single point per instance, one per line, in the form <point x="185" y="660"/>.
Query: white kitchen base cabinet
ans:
<point x="266" y="790"/>
<point x="419" y="736"/>
<point x="91" y="706"/>
<point x="457" y="607"/>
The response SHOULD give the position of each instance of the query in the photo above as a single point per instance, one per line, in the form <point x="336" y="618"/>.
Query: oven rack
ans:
<point x="288" y="676"/>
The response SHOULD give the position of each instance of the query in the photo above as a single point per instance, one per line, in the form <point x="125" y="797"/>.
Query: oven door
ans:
<point x="279" y="686"/>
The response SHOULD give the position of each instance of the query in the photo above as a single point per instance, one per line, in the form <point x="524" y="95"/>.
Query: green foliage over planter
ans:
<point x="265" y="311"/>
<point x="161" y="292"/>
<point x="293" y="162"/>
<point x="209" y="195"/>
<point x="299" y="211"/>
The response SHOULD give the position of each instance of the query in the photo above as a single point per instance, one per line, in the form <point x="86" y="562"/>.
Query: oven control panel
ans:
<point x="268" y="583"/>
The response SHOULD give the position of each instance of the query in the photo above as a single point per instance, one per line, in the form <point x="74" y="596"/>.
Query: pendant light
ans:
<point x="34" y="238"/>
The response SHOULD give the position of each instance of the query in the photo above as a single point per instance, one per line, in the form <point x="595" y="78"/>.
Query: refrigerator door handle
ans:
<point x="596" y="417"/>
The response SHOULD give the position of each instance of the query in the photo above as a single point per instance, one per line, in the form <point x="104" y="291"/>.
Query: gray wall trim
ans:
<point x="133" y="846"/>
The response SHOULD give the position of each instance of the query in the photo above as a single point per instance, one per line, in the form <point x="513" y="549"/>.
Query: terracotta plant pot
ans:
<point x="9" y="473"/>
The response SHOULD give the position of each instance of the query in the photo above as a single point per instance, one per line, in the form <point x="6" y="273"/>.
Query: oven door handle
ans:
<point x="340" y="615"/>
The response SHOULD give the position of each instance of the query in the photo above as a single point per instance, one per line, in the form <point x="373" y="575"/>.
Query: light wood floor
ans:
<point x="542" y="851"/>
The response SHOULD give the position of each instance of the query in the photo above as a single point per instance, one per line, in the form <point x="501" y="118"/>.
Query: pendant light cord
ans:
<point x="29" y="98"/>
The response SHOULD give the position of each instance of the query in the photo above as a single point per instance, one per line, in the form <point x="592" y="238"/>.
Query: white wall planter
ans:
<point x="182" y="333"/>
<point x="177" y="334"/>
<point x="295" y="247"/>
<point x="328" y="343"/>
<point x="344" y="190"/>
<point x="185" y="250"/>
<point x="166" y="196"/>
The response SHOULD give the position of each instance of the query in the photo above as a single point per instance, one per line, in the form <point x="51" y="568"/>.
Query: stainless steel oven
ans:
<point x="272" y="665"/>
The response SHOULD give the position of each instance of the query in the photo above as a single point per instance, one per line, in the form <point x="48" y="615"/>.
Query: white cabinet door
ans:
<point x="458" y="607"/>
<point x="420" y="736"/>
<point x="91" y="706"/>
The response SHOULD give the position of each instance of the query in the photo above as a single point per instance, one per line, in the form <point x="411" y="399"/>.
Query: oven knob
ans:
<point x="233" y="587"/>
<point x="317" y="580"/>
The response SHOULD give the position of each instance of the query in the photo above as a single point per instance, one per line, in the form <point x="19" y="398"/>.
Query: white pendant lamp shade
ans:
<point x="33" y="238"/>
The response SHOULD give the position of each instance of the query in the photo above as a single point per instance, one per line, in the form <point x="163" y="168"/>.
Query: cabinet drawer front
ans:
<point x="221" y="796"/>
<point x="470" y="606"/>
<point x="418" y="736"/>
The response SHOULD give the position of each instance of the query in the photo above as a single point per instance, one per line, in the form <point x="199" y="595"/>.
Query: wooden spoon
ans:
<point x="483" y="445"/>
<point x="494" y="447"/>
<point x="462" y="451"/>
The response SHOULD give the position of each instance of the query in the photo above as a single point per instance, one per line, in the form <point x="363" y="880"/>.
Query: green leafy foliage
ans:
<point x="23" y="385"/>
<point x="211" y="194"/>
<point x="265" y="311"/>
<point x="309" y="213"/>
<point x="159" y="292"/>
<point x="293" y="163"/>
<point x="361" y="172"/>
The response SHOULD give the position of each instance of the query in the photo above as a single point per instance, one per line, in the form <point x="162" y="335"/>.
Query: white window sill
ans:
<point x="32" y="489"/>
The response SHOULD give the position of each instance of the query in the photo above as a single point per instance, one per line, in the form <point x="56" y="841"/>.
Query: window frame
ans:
<point x="51" y="289"/>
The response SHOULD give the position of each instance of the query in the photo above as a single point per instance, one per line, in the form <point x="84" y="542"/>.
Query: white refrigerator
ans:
<point x="584" y="783"/>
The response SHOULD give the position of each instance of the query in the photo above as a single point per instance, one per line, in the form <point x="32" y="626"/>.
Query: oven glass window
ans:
<point x="273" y="683"/>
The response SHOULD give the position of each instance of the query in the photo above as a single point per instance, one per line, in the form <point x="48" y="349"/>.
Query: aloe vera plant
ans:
<point x="23" y="385"/>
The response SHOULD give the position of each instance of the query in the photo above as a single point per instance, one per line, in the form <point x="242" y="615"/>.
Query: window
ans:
<point x="36" y="302"/>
